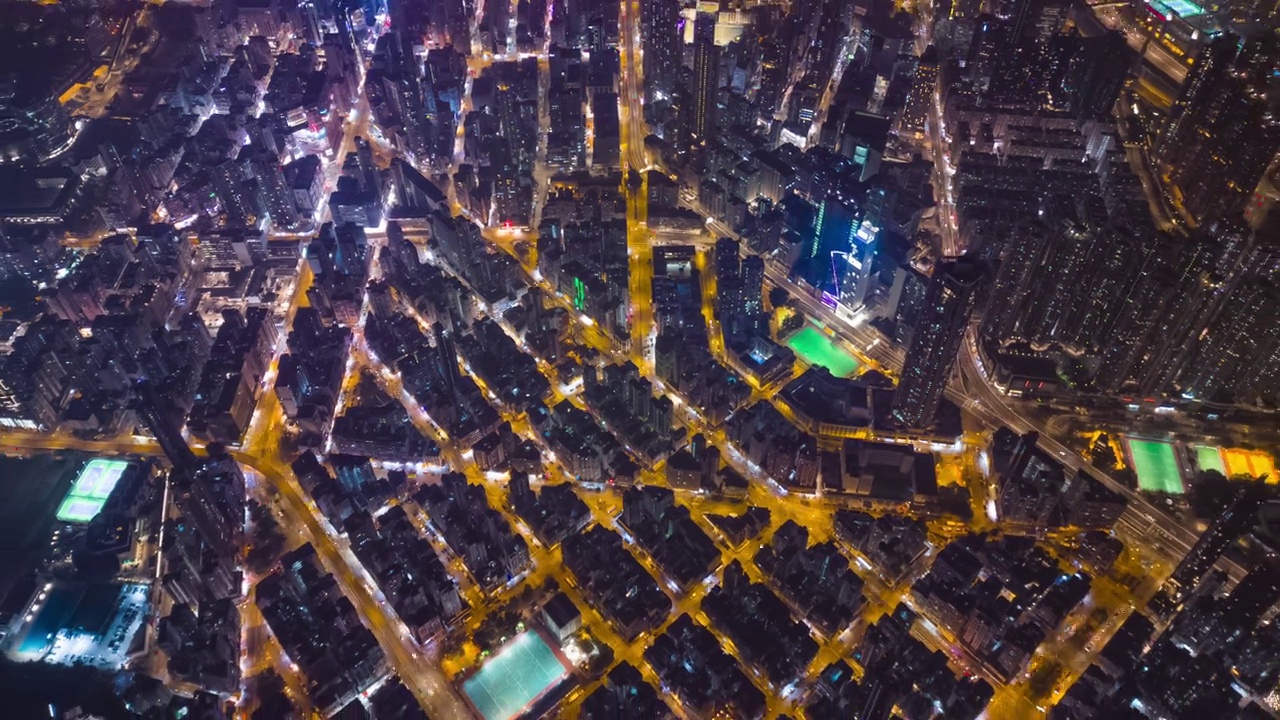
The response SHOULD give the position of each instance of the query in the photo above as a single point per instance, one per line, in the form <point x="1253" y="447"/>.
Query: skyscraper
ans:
<point x="1096" y="73"/>
<point x="1237" y="352"/>
<point x="728" y="271"/>
<point x="752" y="280"/>
<point x="1222" y="131"/>
<point x="936" y="342"/>
<point x="660" y="33"/>
<point x="833" y="231"/>
<point x="274" y="192"/>
<point x="851" y="269"/>
<point x="1021" y="257"/>
<point x="706" y="70"/>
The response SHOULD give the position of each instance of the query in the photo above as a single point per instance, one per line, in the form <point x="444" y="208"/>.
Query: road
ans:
<point x="847" y="50"/>
<point x="1154" y="52"/>
<point x="639" y="237"/>
<point x="809" y="512"/>
<point x="1164" y="538"/>
<point x="937" y="145"/>
<point x="1140" y="162"/>
<point x="867" y="343"/>
<point x="261" y="451"/>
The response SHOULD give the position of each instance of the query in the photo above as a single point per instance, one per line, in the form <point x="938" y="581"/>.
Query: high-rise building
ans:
<point x="834" y="231"/>
<point x="409" y="97"/>
<point x="1021" y="257"/>
<point x="936" y="342"/>
<point x="1096" y="73"/>
<point x="775" y="58"/>
<point x="990" y="38"/>
<point x="728" y="275"/>
<point x="1212" y="303"/>
<point x="1036" y="19"/>
<point x="238" y="197"/>
<point x="863" y="139"/>
<point x="1263" y="215"/>
<point x="165" y="424"/>
<point x="217" y="502"/>
<point x="1051" y="303"/>
<point x="706" y="73"/>
<point x="739" y="284"/>
<point x="752" y="284"/>
<point x="1237" y="352"/>
<point x="274" y="192"/>
<point x="1240" y="511"/>
<point x="1256" y="594"/>
<point x="1222" y="130"/>
<point x="851" y="270"/>
<point x="660" y="35"/>
<point x="906" y="300"/>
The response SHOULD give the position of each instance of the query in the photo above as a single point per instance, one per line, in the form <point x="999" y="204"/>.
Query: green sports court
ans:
<point x="815" y="348"/>
<point x="1155" y="464"/>
<point x="91" y="489"/>
<point x="1210" y="458"/>
<point x="513" y="678"/>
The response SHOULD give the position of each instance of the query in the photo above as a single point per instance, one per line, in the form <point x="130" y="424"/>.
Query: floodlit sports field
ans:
<point x="816" y="348"/>
<point x="1155" y="464"/>
<point x="1250" y="462"/>
<point x="1183" y="8"/>
<point x="518" y="674"/>
<point x="1210" y="458"/>
<point x="90" y="490"/>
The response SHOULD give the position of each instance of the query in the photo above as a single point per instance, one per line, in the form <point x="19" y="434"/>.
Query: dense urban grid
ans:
<point x="811" y="359"/>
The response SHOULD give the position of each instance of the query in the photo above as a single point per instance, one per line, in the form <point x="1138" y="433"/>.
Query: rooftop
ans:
<point x="1181" y="8"/>
<point x="91" y="489"/>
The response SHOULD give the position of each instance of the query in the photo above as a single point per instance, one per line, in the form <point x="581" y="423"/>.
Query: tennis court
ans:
<point x="1250" y="462"/>
<point x="91" y="489"/>
<point x="518" y="674"/>
<point x="101" y="476"/>
<point x="815" y="348"/>
<point x="1156" y="465"/>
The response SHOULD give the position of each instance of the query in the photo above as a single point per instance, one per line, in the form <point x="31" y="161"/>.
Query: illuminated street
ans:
<point x="916" y="360"/>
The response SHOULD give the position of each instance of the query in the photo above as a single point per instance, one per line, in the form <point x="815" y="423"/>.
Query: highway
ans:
<point x="640" y="239"/>
<point x="1165" y="539"/>
<point x="805" y="510"/>
<point x="1153" y="50"/>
